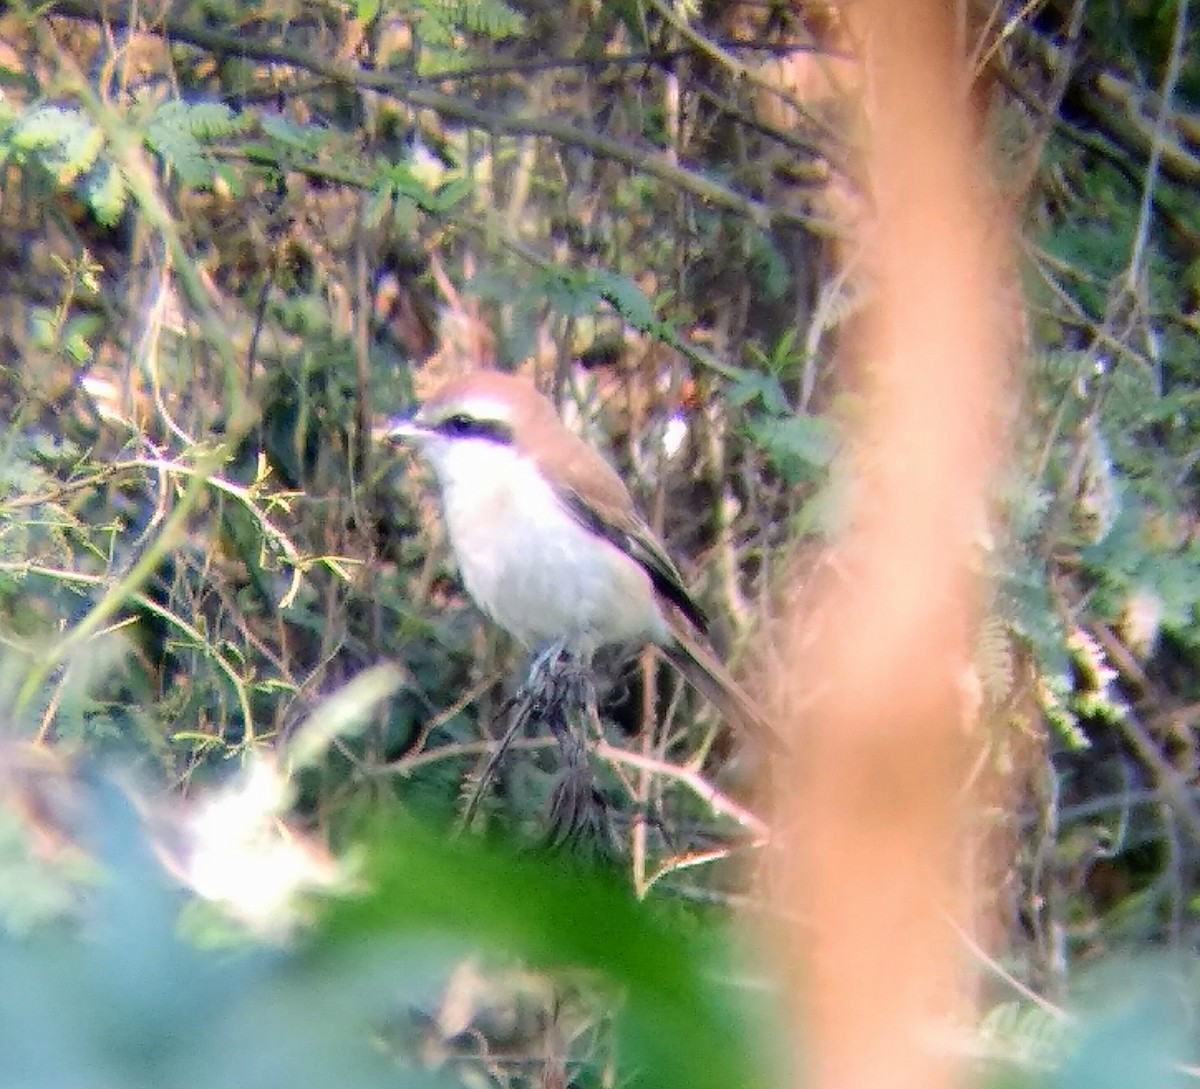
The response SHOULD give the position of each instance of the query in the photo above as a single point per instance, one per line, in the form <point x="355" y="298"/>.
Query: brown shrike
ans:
<point x="547" y="537"/>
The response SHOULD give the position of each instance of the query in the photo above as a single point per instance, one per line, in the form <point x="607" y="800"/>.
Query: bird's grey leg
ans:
<point x="559" y="691"/>
<point x="544" y="663"/>
<point x="562" y="693"/>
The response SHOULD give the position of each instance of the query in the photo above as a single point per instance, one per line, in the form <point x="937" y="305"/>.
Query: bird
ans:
<point x="548" y="539"/>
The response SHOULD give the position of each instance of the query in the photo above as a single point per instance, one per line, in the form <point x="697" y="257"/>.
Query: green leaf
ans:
<point x="379" y="203"/>
<point x="627" y="299"/>
<point x="77" y="336"/>
<point x="766" y="390"/>
<point x="404" y="180"/>
<point x="204" y="120"/>
<point x="66" y="141"/>
<point x="124" y="1006"/>
<point x="493" y="285"/>
<point x="181" y="151"/>
<point x="107" y="193"/>
<point x="49" y="126"/>
<point x="441" y="21"/>
<point x="229" y="178"/>
<point x="405" y="218"/>
<point x="177" y="130"/>
<point x="307" y="138"/>
<point x="453" y="193"/>
<point x="570" y="292"/>
<point x="43" y="328"/>
<point x="796" y="445"/>
<point x="769" y="266"/>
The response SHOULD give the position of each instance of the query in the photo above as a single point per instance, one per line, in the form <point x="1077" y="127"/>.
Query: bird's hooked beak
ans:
<point x="402" y="428"/>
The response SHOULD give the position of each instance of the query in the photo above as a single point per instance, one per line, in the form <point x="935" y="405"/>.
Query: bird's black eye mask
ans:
<point x="462" y="426"/>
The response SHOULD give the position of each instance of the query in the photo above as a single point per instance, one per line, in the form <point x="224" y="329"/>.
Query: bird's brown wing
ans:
<point x="633" y="537"/>
<point x="575" y="471"/>
<point x="611" y="514"/>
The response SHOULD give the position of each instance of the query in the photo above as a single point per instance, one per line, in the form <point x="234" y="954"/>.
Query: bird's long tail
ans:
<point x="712" y="680"/>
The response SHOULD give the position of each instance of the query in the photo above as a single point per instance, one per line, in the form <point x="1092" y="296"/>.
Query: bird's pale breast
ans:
<point x="530" y="564"/>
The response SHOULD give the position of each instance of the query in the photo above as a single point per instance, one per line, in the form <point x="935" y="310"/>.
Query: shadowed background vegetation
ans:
<point x="235" y="235"/>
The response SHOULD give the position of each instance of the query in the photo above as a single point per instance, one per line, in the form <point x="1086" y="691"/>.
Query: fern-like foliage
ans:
<point x="1026" y="1035"/>
<point x="73" y="150"/>
<point x="443" y="25"/>
<point x="440" y="21"/>
<point x="994" y="660"/>
<point x="178" y="131"/>
<point x="67" y="147"/>
<point x="63" y="139"/>
<point x="106" y="192"/>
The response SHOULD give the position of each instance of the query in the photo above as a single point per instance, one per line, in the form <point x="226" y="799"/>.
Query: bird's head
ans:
<point x="485" y="415"/>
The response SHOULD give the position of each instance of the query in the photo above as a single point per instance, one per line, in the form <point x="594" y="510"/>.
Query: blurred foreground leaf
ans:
<point x="1143" y="1042"/>
<point x="680" y="1024"/>
<point x="125" y="1001"/>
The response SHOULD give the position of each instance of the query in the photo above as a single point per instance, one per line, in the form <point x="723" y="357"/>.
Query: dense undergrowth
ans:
<point x="232" y="236"/>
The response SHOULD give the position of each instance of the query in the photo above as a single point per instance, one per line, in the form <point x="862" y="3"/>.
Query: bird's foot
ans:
<point x="545" y="662"/>
<point x="560" y="691"/>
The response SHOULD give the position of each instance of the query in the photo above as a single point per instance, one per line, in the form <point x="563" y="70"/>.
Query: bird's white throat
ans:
<point x="528" y="562"/>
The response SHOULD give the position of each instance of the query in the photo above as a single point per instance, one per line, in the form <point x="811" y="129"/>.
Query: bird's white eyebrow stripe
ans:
<point x="480" y="408"/>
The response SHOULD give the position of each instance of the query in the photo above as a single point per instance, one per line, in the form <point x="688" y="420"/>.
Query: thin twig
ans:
<point x="1100" y="142"/>
<point x="1000" y="972"/>
<point x="24" y="568"/>
<point x="597" y="63"/>
<point x="713" y="50"/>
<point x="1114" y="106"/>
<point x="1174" y="787"/>
<point x="688" y="776"/>
<point x="688" y="861"/>
<point x="1157" y="141"/>
<point x="1049" y="103"/>
<point x="459" y="750"/>
<point x="437" y="721"/>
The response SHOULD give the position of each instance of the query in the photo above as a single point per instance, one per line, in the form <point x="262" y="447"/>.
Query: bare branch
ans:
<point x="409" y="88"/>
